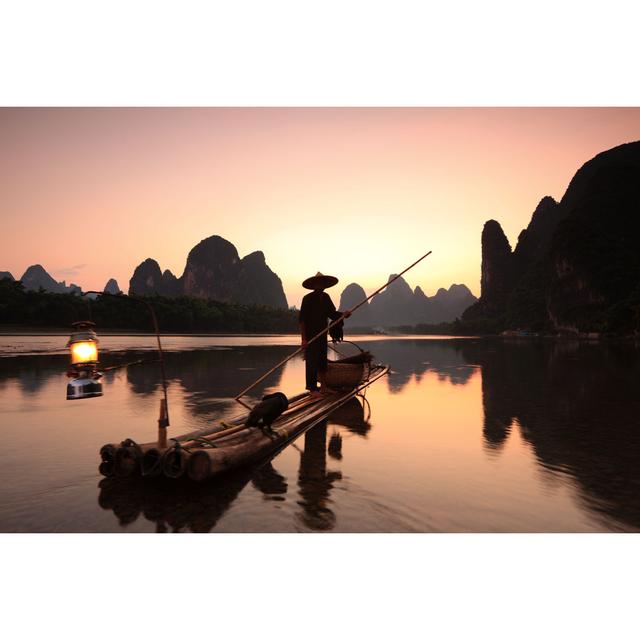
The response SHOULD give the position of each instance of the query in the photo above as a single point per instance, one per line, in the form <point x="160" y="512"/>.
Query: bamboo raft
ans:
<point x="224" y="446"/>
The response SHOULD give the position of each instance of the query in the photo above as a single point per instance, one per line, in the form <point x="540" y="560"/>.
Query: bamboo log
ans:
<point x="128" y="458"/>
<point x="121" y="459"/>
<point x="151" y="463"/>
<point x="146" y="460"/>
<point x="175" y="459"/>
<point x="174" y="462"/>
<point x="204" y="463"/>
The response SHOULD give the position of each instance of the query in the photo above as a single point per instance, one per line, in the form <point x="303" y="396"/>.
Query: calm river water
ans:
<point x="463" y="435"/>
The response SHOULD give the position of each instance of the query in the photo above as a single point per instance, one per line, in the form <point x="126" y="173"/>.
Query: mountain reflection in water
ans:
<point x="464" y="435"/>
<point x="578" y="406"/>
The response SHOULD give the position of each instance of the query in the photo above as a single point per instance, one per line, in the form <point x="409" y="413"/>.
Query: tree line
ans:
<point x="21" y="307"/>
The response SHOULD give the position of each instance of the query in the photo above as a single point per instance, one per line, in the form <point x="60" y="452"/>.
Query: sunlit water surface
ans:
<point x="463" y="435"/>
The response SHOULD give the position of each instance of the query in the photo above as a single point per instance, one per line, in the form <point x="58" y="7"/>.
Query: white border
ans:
<point x="319" y="586"/>
<point x="289" y="52"/>
<point x="331" y="53"/>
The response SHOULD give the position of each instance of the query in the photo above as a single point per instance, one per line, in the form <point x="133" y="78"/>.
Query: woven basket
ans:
<point x="342" y="375"/>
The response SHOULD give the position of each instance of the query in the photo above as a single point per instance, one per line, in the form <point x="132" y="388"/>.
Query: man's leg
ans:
<point x="322" y="367"/>
<point x="311" y="367"/>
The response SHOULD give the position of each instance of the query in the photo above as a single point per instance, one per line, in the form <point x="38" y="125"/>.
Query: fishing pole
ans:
<point x="335" y="322"/>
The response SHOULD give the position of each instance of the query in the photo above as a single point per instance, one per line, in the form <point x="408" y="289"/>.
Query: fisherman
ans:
<point x="317" y="307"/>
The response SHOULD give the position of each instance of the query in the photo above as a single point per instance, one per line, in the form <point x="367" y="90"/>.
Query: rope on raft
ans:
<point x="203" y="441"/>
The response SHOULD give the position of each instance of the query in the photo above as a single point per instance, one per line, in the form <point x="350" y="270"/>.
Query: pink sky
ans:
<point x="358" y="193"/>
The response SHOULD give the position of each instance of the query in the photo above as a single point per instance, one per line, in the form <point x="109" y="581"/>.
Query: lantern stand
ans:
<point x="163" y="419"/>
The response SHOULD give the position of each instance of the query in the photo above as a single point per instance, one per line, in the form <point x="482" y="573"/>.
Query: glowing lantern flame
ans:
<point x="85" y="352"/>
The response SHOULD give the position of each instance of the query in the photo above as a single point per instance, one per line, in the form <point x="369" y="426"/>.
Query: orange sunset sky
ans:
<point x="359" y="193"/>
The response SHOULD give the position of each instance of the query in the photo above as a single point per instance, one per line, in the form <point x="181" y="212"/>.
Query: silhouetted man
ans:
<point x="317" y="307"/>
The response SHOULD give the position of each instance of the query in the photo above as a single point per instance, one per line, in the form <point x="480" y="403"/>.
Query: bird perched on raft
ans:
<point x="266" y="412"/>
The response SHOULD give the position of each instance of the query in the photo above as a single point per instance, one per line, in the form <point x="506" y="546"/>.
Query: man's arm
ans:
<point x="331" y="310"/>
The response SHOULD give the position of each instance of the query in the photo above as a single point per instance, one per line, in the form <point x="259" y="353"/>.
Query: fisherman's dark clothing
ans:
<point x="315" y="362"/>
<point x="316" y="308"/>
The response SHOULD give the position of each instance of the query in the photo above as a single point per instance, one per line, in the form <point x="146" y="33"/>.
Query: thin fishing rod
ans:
<point x="163" y="421"/>
<point x="302" y="348"/>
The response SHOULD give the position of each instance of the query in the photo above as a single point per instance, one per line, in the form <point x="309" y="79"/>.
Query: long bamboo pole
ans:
<point x="297" y="351"/>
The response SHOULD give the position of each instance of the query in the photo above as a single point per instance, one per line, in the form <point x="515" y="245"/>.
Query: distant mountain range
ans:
<point x="576" y="267"/>
<point x="399" y="305"/>
<point x="36" y="277"/>
<point x="214" y="270"/>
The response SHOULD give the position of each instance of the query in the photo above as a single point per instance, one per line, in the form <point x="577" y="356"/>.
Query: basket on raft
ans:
<point x="348" y="373"/>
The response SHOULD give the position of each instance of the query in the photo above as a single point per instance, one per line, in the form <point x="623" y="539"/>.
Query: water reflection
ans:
<point x="221" y="371"/>
<point x="269" y="482"/>
<point x="172" y="506"/>
<point x="535" y="428"/>
<point x="413" y="358"/>
<point x="577" y="405"/>
<point x="31" y="372"/>
<point x="185" y="506"/>
<point x="351" y="416"/>
<point x="315" y="481"/>
<point x="212" y="377"/>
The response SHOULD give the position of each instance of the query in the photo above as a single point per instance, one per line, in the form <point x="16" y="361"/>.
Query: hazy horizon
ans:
<point x="356" y="192"/>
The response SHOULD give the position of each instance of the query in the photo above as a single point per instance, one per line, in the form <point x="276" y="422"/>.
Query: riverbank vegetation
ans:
<point x="22" y="308"/>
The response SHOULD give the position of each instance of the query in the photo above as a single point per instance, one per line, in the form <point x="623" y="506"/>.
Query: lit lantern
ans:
<point x="84" y="352"/>
<point x="83" y="347"/>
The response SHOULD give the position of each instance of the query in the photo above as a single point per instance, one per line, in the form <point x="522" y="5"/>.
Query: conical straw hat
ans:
<point x="320" y="281"/>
